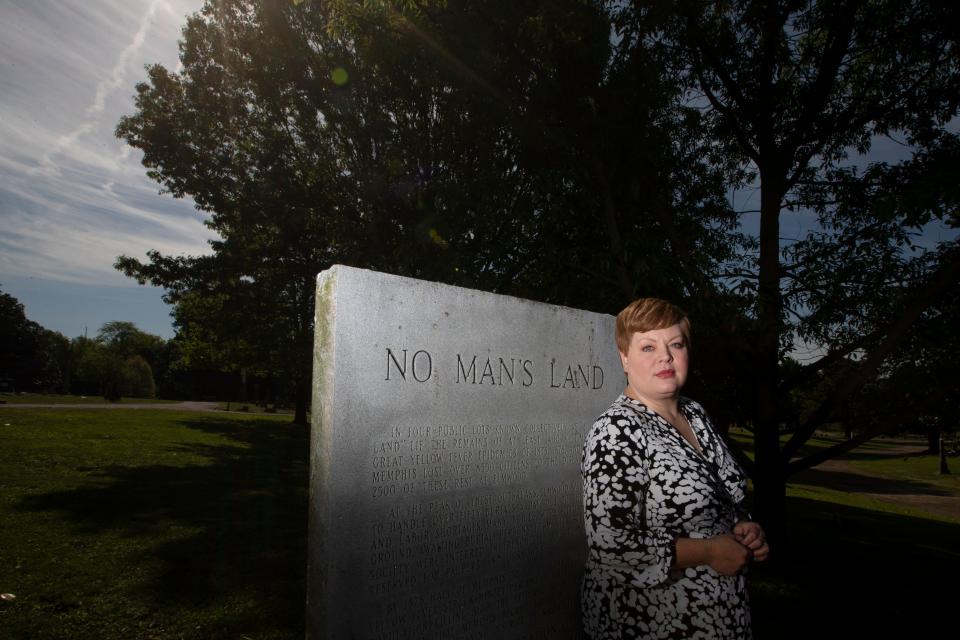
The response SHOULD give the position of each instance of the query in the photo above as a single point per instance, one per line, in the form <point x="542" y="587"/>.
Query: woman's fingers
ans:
<point x="750" y="535"/>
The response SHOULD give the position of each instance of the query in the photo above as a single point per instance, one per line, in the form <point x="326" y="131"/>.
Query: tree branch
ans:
<point x="809" y="371"/>
<point x="838" y="42"/>
<point x="939" y="283"/>
<point x="893" y="423"/>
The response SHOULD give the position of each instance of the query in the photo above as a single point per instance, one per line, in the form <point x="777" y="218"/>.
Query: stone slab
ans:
<point x="445" y="486"/>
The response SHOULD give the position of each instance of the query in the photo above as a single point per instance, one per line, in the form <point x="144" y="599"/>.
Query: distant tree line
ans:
<point x="120" y="361"/>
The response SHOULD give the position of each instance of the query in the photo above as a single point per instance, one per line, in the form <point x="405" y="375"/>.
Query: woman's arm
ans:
<point x="615" y="484"/>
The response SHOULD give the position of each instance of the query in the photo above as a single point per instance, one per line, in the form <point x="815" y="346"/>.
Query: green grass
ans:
<point x="151" y="524"/>
<point x="57" y="398"/>
<point x="173" y="525"/>
<point x="916" y="469"/>
<point x="915" y="472"/>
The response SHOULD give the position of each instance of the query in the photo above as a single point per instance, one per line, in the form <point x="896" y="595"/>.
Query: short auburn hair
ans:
<point x="647" y="314"/>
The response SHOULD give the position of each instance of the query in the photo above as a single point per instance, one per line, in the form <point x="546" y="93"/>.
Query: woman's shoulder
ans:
<point x="622" y="417"/>
<point x="693" y="406"/>
<point x="623" y="406"/>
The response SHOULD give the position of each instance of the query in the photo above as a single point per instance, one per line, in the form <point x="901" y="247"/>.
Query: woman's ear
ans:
<point x="623" y="361"/>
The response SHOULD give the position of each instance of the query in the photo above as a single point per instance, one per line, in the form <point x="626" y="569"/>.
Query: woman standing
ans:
<point x="668" y="537"/>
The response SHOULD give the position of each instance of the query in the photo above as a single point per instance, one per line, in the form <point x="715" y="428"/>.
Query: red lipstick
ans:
<point x="666" y="373"/>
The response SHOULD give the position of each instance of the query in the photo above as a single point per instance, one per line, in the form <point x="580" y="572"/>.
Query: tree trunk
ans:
<point x="944" y="469"/>
<point x="769" y="479"/>
<point x="770" y="499"/>
<point x="933" y="441"/>
<point x="302" y="394"/>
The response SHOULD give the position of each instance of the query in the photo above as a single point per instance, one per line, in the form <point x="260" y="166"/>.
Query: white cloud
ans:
<point x="72" y="196"/>
<point x="119" y="71"/>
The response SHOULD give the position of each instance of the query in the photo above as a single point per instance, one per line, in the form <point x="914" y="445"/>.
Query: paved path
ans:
<point x="175" y="406"/>
<point x="843" y="476"/>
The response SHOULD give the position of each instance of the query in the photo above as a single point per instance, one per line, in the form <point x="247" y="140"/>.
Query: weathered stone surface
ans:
<point x="445" y="486"/>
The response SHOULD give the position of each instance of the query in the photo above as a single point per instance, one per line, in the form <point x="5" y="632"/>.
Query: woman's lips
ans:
<point x="666" y="373"/>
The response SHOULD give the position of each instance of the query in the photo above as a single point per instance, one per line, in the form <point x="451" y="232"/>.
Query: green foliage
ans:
<point x="86" y="356"/>
<point x="792" y="92"/>
<point x="125" y="340"/>
<point x="504" y="147"/>
<point x="121" y="360"/>
<point x="572" y="152"/>
<point x="31" y="356"/>
<point x="138" y="378"/>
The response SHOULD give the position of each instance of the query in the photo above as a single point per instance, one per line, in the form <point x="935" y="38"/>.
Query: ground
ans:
<point x="841" y="475"/>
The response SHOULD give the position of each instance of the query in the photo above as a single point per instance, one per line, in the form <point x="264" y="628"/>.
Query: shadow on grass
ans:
<point x="239" y="523"/>
<point x="846" y="572"/>
<point x="846" y="481"/>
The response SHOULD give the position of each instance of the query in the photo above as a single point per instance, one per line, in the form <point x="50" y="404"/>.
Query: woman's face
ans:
<point x="656" y="363"/>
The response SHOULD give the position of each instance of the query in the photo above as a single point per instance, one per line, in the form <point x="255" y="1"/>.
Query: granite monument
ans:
<point x="445" y="493"/>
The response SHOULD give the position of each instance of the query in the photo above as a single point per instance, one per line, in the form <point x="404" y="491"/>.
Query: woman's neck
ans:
<point x="668" y="407"/>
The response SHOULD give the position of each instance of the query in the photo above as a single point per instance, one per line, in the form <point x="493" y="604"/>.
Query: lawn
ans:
<point x="914" y="468"/>
<point x="151" y="524"/>
<point x="168" y="525"/>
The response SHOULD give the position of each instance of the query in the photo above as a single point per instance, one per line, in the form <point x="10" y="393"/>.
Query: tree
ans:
<point x="126" y="365"/>
<point x="792" y="90"/>
<point x="18" y="340"/>
<point x="126" y="340"/>
<point x="506" y="147"/>
<point x="34" y="357"/>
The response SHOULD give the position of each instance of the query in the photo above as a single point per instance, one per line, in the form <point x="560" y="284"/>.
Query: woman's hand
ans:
<point x="750" y="534"/>
<point x="727" y="554"/>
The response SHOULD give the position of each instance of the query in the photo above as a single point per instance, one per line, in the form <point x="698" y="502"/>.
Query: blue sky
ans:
<point x="72" y="196"/>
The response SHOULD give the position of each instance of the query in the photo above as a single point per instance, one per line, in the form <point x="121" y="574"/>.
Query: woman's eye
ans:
<point x="677" y="345"/>
<point x="648" y="348"/>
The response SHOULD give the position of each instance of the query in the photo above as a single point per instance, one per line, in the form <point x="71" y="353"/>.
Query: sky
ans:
<point x="72" y="196"/>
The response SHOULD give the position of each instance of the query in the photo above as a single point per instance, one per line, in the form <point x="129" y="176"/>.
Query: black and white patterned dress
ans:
<point x="644" y="485"/>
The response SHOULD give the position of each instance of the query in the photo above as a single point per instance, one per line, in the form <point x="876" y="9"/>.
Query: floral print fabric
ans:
<point x="644" y="486"/>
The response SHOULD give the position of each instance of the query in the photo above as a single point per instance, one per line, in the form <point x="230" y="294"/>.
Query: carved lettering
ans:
<point x="497" y="372"/>
<point x="429" y="366"/>
<point x="487" y="372"/>
<point x="421" y="365"/>
<point x="570" y="380"/>
<point x="402" y="370"/>
<point x="580" y="376"/>
<point x="462" y="511"/>
<point x="583" y="374"/>
<point x="529" y="374"/>
<point x="503" y="369"/>
<point x="596" y="370"/>
<point x="472" y="375"/>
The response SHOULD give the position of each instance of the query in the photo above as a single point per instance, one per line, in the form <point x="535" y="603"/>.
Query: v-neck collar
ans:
<point x="705" y="453"/>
